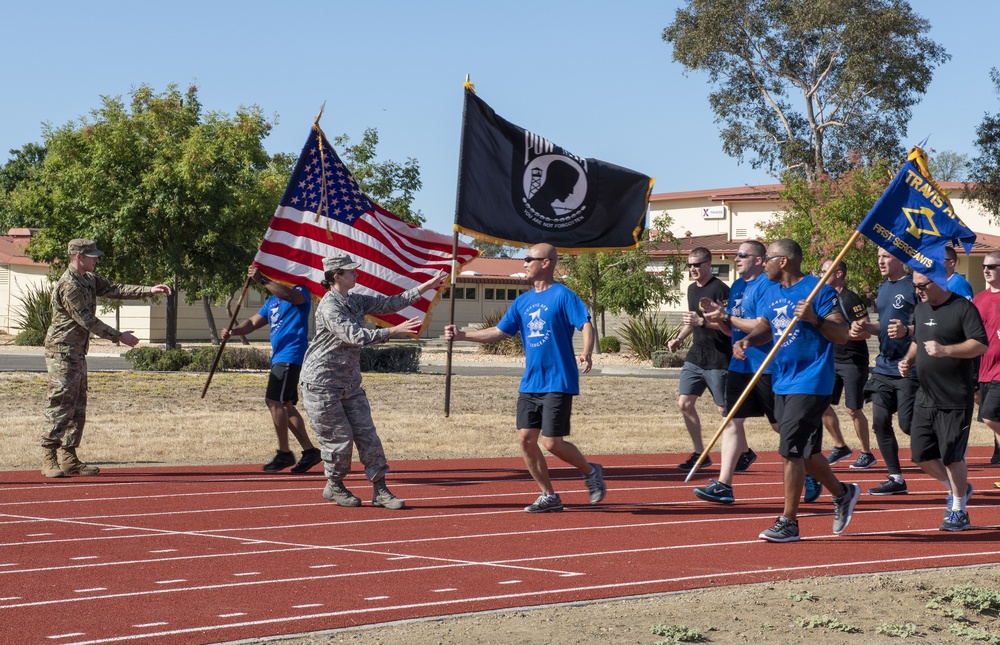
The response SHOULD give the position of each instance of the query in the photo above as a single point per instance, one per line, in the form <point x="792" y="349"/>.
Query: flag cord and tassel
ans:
<point x="770" y="356"/>
<point x="222" y="345"/>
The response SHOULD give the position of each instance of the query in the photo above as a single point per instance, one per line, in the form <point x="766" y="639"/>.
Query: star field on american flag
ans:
<point x="326" y="172"/>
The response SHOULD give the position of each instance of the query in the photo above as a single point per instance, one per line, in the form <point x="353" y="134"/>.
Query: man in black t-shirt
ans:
<point x="851" y="365"/>
<point x="948" y="334"/>
<point x="708" y="358"/>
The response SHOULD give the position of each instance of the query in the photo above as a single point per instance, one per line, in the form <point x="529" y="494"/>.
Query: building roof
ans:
<point x="493" y="271"/>
<point x="13" y="245"/>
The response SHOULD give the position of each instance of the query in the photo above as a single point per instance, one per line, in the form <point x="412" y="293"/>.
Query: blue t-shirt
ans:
<point x="804" y="363"/>
<point x="289" y="327"/>
<point x="894" y="301"/>
<point x="958" y="284"/>
<point x="745" y="300"/>
<point x="547" y="320"/>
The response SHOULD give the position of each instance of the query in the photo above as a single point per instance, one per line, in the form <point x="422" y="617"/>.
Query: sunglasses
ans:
<point x="768" y="258"/>
<point x="921" y="286"/>
<point x="743" y="256"/>
<point x="528" y="259"/>
<point x="696" y="264"/>
<point x="991" y="267"/>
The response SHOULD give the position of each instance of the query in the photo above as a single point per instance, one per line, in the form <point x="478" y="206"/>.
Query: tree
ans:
<point x="822" y="215"/>
<point x="493" y="250"/>
<point x="617" y="281"/>
<point x="948" y="166"/>
<point x="391" y="184"/>
<point x="169" y="192"/>
<point x="985" y="169"/>
<point x="22" y="164"/>
<point x="801" y="84"/>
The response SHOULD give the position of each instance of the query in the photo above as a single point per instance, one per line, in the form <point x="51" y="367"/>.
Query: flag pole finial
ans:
<point x="468" y="84"/>
<point x="320" y="115"/>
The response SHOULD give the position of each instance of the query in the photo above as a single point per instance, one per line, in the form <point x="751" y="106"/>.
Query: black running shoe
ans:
<point x="282" y="459"/>
<point x="309" y="459"/>
<point x="745" y="461"/>
<point x="692" y="460"/>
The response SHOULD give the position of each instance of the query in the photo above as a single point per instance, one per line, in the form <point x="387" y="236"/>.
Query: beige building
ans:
<point x="719" y="219"/>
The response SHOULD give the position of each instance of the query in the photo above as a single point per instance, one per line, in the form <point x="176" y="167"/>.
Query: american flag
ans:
<point x="324" y="213"/>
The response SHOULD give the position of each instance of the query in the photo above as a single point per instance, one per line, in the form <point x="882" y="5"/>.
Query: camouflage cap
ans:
<point x="81" y="246"/>
<point x="341" y="262"/>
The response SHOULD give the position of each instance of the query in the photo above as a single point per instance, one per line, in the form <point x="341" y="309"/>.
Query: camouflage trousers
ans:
<point x="341" y="419"/>
<point x="67" y="411"/>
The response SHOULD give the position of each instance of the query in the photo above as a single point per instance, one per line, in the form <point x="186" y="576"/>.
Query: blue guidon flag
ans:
<point x="516" y="187"/>
<point x="324" y="213"/>
<point x="914" y="220"/>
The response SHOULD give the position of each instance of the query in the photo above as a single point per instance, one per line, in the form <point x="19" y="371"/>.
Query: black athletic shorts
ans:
<point x="989" y="401"/>
<point x="549" y="411"/>
<point x="759" y="401"/>
<point x="940" y="434"/>
<point x="283" y="383"/>
<point x="895" y="394"/>
<point x="800" y="424"/>
<point x="850" y="381"/>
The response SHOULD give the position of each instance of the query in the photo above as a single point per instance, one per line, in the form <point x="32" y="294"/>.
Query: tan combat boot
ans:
<point x="50" y="465"/>
<point x="71" y="464"/>
<point x="383" y="497"/>
<point x="336" y="492"/>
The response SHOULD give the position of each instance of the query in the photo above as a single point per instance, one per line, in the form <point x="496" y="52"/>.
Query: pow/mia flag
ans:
<point x="516" y="187"/>
<point x="914" y="220"/>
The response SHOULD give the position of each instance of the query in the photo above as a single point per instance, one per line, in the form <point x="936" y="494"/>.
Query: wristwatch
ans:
<point x="728" y="318"/>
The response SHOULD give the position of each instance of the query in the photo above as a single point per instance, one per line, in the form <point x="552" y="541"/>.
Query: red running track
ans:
<point x="210" y="554"/>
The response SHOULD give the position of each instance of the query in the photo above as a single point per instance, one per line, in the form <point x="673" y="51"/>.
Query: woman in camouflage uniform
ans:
<point x="335" y="403"/>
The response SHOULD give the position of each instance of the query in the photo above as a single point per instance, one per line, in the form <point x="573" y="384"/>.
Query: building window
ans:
<point x="721" y="271"/>
<point x="446" y="294"/>
<point x="511" y="294"/>
<point x="487" y="293"/>
<point x="470" y="293"/>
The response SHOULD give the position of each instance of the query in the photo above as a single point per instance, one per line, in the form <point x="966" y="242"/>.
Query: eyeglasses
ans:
<point x="921" y="286"/>
<point x="696" y="264"/>
<point x="528" y="259"/>
<point x="949" y="260"/>
<point x="991" y="267"/>
<point x="743" y="256"/>
<point x="768" y="258"/>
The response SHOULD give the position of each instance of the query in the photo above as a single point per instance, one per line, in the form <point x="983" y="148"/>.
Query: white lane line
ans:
<point x="170" y="582"/>
<point x="509" y="582"/>
<point x="85" y="557"/>
<point x="89" y="590"/>
<point x="247" y="573"/>
<point x="70" y="635"/>
<point x="321" y="566"/>
<point x="309" y="606"/>
<point x="9" y="564"/>
<point x="444" y="590"/>
<point x="119" y="563"/>
<point x="118" y="528"/>
<point x="10" y="598"/>
<point x="163" y="551"/>
<point x="378" y="598"/>
<point x="145" y="625"/>
<point x="39" y="535"/>
<point x="233" y="615"/>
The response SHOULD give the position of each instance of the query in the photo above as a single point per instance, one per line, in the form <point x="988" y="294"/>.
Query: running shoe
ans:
<point x="837" y="453"/>
<point x="956" y="521"/>
<point x="545" y="504"/>
<point x="813" y="489"/>
<point x="864" y="460"/>
<point x="692" y="460"/>
<point x="995" y="459"/>
<point x="950" y="501"/>
<point x="310" y="458"/>
<point x="784" y="530"/>
<point x="595" y="483"/>
<point x="745" y="461"/>
<point x="843" y="507"/>
<point x="889" y="487"/>
<point x="282" y="459"/>
<point x="715" y="492"/>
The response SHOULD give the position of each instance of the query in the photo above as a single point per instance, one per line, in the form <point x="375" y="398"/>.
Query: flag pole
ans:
<point x="454" y="254"/>
<point x="222" y="345"/>
<point x="771" y="354"/>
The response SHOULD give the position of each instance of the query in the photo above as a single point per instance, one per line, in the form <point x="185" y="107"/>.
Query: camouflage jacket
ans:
<point x="74" y="310"/>
<point x="334" y="357"/>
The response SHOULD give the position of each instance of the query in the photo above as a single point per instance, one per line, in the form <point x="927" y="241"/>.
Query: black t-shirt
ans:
<point x="853" y="351"/>
<point x="710" y="348"/>
<point x="946" y="383"/>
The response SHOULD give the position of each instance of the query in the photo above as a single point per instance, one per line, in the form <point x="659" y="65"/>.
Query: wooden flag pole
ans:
<point x="222" y="345"/>
<point x="771" y="354"/>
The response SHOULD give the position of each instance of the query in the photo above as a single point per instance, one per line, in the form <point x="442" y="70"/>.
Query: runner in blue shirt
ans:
<point x="546" y="318"/>
<point x="287" y="313"/>
<point x="802" y="381"/>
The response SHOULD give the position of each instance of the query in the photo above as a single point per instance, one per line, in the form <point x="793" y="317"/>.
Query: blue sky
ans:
<point x="594" y="77"/>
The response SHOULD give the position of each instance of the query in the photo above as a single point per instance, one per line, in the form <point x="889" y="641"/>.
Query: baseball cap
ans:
<point x="341" y="262"/>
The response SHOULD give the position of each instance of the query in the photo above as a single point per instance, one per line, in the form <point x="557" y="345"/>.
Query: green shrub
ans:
<point x="666" y="358"/>
<point x="241" y="358"/>
<point x="35" y="312"/>
<point x="390" y="358"/>
<point x="143" y="358"/>
<point x="172" y="360"/>
<point x="647" y="334"/>
<point x="30" y="337"/>
<point x="610" y="345"/>
<point x="510" y="346"/>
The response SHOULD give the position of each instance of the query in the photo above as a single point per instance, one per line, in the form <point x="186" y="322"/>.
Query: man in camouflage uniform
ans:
<point x="335" y="403"/>
<point x="74" y="319"/>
